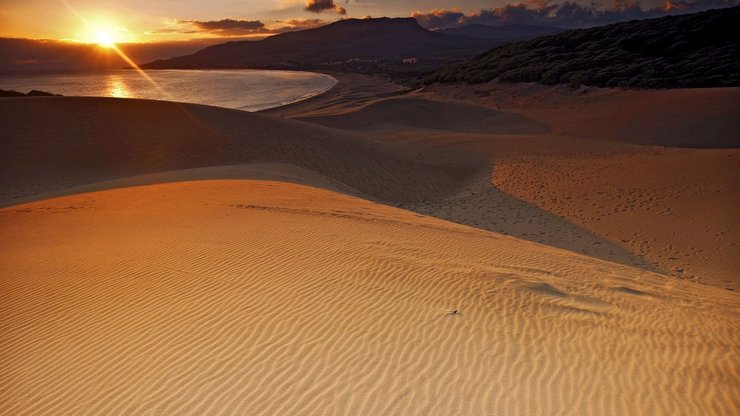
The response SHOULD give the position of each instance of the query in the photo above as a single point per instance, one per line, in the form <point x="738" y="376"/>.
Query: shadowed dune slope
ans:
<point x="253" y="297"/>
<point x="53" y="143"/>
<point x="691" y="117"/>
<point x="417" y="113"/>
<point x="694" y="118"/>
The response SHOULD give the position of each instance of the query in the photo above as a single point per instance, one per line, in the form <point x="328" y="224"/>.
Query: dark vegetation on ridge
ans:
<point x="693" y="50"/>
<point x="504" y="34"/>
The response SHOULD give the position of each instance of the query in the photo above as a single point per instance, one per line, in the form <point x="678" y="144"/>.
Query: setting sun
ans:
<point x="104" y="39"/>
<point x="103" y="32"/>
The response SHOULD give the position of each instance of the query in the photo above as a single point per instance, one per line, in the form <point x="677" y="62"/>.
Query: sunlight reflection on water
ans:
<point x="250" y="90"/>
<point x="117" y="87"/>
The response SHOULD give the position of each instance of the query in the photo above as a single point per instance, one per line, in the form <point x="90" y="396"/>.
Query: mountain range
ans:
<point x="363" y="45"/>
<point x="349" y="44"/>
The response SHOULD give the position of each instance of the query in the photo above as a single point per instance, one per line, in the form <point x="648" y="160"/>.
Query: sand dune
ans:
<point x="130" y="142"/>
<point x="251" y="297"/>
<point x="164" y="258"/>
<point x="564" y="169"/>
<point x="544" y="187"/>
<point x="62" y="142"/>
<point x="701" y="117"/>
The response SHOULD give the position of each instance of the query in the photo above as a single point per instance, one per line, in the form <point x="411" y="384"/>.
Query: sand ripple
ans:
<point x="242" y="297"/>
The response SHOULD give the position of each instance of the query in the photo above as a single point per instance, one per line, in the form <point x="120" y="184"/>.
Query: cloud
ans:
<point x="567" y="14"/>
<point x="227" y="27"/>
<point x="233" y="27"/>
<point x="166" y="30"/>
<point x="318" y="6"/>
<point x="439" y="18"/>
<point x="300" y="24"/>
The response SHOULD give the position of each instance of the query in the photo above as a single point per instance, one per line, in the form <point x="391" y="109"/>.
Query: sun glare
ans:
<point x="104" y="39"/>
<point x="103" y="32"/>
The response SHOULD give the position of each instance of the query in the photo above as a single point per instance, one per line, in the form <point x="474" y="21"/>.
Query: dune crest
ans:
<point x="62" y="142"/>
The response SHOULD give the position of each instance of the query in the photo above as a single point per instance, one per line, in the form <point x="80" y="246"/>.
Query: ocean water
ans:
<point x="249" y="90"/>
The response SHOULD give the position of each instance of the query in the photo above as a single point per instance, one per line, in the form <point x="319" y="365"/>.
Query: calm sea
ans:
<point x="250" y="90"/>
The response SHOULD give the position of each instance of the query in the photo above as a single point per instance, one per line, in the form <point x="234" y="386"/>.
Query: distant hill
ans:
<point x="692" y="50"/>
<point x="32" y="93"/>
<point x="354" y="42"/>
<point x="32" y="56"/>
<point x="504" y="34"/>
<point x="27" y="56"/>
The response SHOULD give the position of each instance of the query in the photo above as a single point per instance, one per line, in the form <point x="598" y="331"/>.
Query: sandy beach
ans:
<point x="489" y="249"/>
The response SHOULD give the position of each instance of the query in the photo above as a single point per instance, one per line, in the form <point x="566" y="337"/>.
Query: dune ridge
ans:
<point x="60" y="142"/>
<point x="250" y="296"/>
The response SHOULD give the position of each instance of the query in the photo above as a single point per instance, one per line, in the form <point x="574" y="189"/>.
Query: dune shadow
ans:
<point x="629" y="291"/>
<point x="481" y="205"/>
<point x="476" y="201"/>
<point x="61" y="143"/>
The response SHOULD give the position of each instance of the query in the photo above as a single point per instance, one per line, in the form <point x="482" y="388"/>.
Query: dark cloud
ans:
<point x="567" y="14"/>
<point x="318" y="6"/>
<point x="437" y="19"/>
<point x="172" y="30"/>
<point x="232" y="27"/>
<point x="300" y="24"/>
<point x="227" y="27"/>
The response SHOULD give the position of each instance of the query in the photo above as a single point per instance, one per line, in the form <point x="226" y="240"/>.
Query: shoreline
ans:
<point x="15" y="82"/>
<point x="307" y="96"/>
<point x="352" y="91"/>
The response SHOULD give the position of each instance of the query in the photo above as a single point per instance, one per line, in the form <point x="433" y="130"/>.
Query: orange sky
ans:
<point x="157" y="20"/>
<point x="166" y="20"/>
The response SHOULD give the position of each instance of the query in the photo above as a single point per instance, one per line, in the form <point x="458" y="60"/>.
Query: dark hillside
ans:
<point x="693" y="50"/>
<point x="347" y="44"/>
